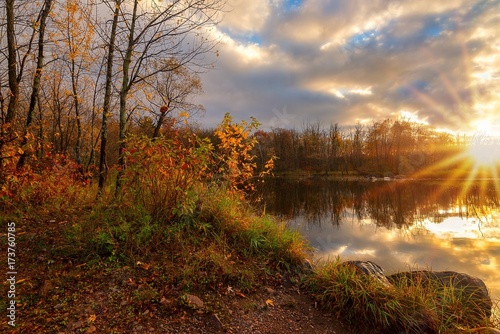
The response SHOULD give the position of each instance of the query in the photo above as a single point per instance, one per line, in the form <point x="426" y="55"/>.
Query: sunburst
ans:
<point x="485" y="151"/>
<point x="476" y="163"/>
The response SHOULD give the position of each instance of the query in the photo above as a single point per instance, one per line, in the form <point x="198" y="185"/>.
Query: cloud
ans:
<point x="246" y="16"/>
<point x="348" y="60"/>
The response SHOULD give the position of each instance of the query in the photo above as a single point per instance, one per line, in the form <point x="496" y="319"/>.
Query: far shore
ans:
<point x="352" y="176"/>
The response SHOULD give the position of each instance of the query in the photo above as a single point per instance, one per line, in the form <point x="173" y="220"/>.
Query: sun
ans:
<point x="485" y="151"/>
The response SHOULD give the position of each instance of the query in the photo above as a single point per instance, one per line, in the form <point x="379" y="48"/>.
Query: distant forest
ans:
<point x="383" y="148"/>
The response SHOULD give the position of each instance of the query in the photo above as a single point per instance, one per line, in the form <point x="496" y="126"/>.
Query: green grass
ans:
<point x="224" y="242"/>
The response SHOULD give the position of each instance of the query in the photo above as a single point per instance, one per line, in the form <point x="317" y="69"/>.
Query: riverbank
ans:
<point x="108" y="269"/>
<point x="176" y="248"/>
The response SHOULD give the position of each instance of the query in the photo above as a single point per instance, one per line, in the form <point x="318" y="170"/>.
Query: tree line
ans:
<point x="382" y="148"/>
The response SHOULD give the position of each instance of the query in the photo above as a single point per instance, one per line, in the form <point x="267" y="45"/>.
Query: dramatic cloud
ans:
<point x="288" y="62"/>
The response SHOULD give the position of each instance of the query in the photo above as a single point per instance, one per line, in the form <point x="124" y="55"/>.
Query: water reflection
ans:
<point x="400" y="225"/>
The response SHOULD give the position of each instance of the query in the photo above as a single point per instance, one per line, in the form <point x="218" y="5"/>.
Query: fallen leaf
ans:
<point x="76" y="325"/>
<point x="144" y="266"/>
<point x="269" y="302"/>
<point x="239" y="294"/>
<point x="92" y="329"/>
<point x="92" y="318"/>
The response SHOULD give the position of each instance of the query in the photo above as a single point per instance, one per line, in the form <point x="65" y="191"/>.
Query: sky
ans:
<point x="289" y="62"/>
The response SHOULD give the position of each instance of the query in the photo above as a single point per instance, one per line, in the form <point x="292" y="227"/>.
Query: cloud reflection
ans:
<point x="359" y="221"/>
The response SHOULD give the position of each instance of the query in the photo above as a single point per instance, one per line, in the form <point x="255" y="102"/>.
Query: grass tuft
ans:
<point x="411" y="306"/>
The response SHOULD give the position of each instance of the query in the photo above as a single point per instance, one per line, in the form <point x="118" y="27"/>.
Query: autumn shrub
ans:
<point x="52" y="184"/>
<point x="165" y="175"/>
<point x="234" y="163"/>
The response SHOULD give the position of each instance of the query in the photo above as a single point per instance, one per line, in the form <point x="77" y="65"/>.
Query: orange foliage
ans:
<point x="54" y="180"/>
<point x="162" y="174"/>
<point x="234" y="161"/>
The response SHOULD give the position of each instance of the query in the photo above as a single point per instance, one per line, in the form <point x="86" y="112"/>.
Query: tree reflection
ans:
<point x="393" y="204"/>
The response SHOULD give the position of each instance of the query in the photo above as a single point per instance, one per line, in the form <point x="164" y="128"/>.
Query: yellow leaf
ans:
<point x="269" y="302"/>
<point x="92" y="318"/>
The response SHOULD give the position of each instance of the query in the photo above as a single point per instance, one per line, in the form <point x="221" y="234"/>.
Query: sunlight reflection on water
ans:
<point x="399" y="226"/>
<point x="430" y="246"/>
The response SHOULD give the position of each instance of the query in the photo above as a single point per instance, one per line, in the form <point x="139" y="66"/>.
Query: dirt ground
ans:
<point x="270" y="311"/>
<point x="59" y="294"/>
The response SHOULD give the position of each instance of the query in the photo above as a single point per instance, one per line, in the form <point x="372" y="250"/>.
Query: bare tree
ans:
<point x="170" y="93"/>
<point x="103" y="169"/>
<point x="156" y="31"/>
<point x="35" y="88"/>
<point x="7" y="119"/>
<point x="11" y="62"/>
<point x="19" y="47"/>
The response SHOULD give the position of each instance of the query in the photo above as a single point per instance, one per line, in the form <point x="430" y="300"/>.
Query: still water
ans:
<point x="400" y="225"/>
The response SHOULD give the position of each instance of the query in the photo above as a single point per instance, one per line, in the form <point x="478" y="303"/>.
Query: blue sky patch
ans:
<point x="247" y="38"/>
<point x="291" y="5"/>
<point x="362" y="39"/>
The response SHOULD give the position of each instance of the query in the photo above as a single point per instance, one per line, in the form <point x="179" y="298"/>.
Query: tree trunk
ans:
<point x="6" y="125"/>
<point x="103" y="169"/>
<point x="74" y="85"/>
<point x="123" y="100"/>
<point x="36" y="79"/>
<point x="12" y="63"/>
<point x="158" y="125"/>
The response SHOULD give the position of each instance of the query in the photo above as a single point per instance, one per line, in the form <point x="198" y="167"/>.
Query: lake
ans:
<point x="399" y="224"/>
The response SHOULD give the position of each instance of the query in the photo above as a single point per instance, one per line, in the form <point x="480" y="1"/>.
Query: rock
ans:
<point x="469" y="289"/>
<point x="216" y="323"/>
<point x="371" y="269"/>
<point x="270" y="291"/>
<point x="419" y="324"/>
<point x="195" y="301"/>
<point x="303" y="268"/>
